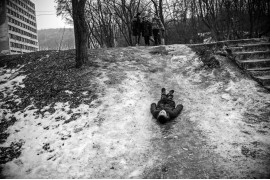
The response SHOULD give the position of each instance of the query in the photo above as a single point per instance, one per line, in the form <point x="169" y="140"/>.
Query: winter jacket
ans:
<point x="168" y="106"/>
<point x="146" y="28"/>
<point x="136" y="26"/>
<point x="157" y="24"/>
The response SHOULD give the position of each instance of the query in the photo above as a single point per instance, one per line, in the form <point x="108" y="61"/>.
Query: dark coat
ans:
<point x="157" y="24"/>
<point x="136" y="26"/>
<point x="168" y="106"/>
<point x="146" y="28"/>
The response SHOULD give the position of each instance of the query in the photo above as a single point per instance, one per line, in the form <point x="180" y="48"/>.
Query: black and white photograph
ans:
<point x="134" y="89"/>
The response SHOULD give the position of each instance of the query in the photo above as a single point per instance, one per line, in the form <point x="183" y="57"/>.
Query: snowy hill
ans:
<point x="95" y="122"/>
<point x="51" y="39"/>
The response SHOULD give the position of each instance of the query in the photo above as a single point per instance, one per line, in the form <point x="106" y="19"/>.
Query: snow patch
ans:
<point x="10" y="81"/>
<point x="68" y="92"/>
<point x="95" y="141"/>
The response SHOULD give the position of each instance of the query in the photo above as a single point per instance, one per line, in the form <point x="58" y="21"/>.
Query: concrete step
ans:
<point x="265" y="80"/>
<point x="238" y="42"/>
<point x="254" y="63"/>
<point x="259" y="69"/>
<point x="252" y="55"/>
<point x="267" y="87"/>
<point x="259" y="73"/>
<point x="251" y="47"/>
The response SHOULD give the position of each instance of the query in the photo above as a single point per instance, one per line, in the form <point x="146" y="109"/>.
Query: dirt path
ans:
<point x="222" y="132"/>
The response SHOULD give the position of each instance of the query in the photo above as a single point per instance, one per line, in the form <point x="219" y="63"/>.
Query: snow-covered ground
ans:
<point x="223" y="129"/>
<point x="233" y="111"/>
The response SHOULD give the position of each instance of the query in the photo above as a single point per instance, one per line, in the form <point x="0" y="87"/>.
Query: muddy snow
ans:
<point x="222" y="132"/>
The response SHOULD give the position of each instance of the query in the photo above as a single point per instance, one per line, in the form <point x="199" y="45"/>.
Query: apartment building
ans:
<point x="18" y="28"/>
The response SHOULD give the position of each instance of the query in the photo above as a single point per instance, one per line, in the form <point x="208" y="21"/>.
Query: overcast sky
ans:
<point x="46" y="15"/>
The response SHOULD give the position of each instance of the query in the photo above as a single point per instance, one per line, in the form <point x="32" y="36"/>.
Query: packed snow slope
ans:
<point x="95" y="122"/>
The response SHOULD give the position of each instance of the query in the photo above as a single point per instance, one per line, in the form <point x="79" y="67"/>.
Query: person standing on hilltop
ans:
<point x="158" y="29"/>
<point x="146" y="30"/>
<point x="136" y="28"/>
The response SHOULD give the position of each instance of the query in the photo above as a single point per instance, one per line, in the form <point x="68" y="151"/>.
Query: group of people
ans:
<point x="144" y="26"/>
<point x="166" y="108"/>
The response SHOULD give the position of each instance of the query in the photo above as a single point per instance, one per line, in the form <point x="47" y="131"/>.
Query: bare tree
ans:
<point x="80" y="31"/>
<point x="184" y="20"/>
<point x="76" y="10"/>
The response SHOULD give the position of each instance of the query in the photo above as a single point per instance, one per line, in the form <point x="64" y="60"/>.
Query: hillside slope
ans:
<point x="50" y="39"/>
<point x="95" y="122"/>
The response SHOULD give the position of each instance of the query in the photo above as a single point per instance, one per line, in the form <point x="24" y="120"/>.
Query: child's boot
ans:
<point x="170" y="94"/>
<point x="163" y="91"/>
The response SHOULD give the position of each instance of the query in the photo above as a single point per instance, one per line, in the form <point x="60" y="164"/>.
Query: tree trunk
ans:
<point x="161" y="16"/>
<point x="80" y="31"/>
